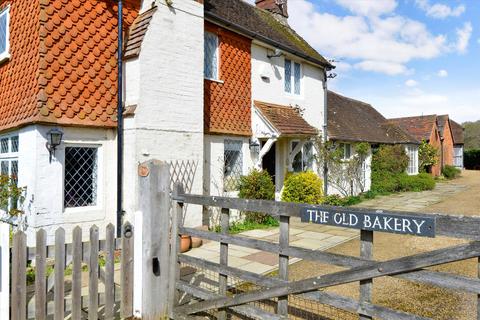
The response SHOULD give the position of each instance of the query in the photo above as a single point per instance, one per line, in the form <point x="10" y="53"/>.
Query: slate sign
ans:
<point x="422" y="226"/>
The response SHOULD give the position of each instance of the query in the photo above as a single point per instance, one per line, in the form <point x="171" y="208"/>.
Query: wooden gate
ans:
<point x="360" y="269"/>
<point x="74" y="280"/>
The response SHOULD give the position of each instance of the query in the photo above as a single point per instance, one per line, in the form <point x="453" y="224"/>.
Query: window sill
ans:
<point x="4" y="57"/>
<point x="215" y="80"/>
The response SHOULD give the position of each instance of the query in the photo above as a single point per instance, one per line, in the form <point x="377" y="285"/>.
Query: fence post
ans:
<point x="126" y="282"/>
<point x="366" y="252"/>
<point x="284" y="239"/>
<point x="19" y="276"/>
<point x="4" y="270"/>
<point x="173" y="294"/>
<point x="154" y="202"/>
<point x="222" y="278"/>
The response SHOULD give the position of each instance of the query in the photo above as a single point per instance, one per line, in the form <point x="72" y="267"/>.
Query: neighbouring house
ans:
<point x="58" y="70"/>
<point x="458" y="133"/>
<point x="351" y="122"/>
<point x="264" y="94"/>
<point x="423" y="128"/>
<point x="446" y="139"/>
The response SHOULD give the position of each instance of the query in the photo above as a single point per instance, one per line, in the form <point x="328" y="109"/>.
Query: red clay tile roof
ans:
<point x="420" y="126"/>
<point x="63" y="68"/>
<point x="458" y="133"/>
<point x="136" y="34"/>
<point x="354" y="120"/>
<point x="285" y="119"/>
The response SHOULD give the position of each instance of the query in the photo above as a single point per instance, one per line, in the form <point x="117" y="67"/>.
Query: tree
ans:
<point x="427" y="156"/>
<point x="472" y="135"/>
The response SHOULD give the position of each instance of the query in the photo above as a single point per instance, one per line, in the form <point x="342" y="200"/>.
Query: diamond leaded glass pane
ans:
<point x="3" y="31"/>
<point x="14" y="144"/>
<point x="288" y="75"/>
<point x="14" y="171"/>
<point x="80" y="177"/>
<point x="233" y="164"/>
<point x="211" y="59"/>
<point x="297" y="76"/>
<point x="4" y="145"/>
<point x="4" y="168"/>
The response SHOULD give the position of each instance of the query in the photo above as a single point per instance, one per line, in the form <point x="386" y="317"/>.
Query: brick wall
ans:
<point x="447" y="144"/>
<point x="435" y="141"/>
<point x="227" y="103"/>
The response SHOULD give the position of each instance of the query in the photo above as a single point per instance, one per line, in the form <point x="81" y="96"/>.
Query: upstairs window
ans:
<point x="211" y="56"/>
<point x="293" y="76"/>
<point x="81" y="172"/>
<point x="233" y="164"/>
<point x="4" y="33"/>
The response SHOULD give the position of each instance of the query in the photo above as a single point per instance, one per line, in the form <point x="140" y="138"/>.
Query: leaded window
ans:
<point x="293" y="77"/>
<point x="211" y="56"/>
<point x="233" y="164"/>
<point x="4" y="35"/>
<point x="81" y="175"/>
<point x="9" y="146"/>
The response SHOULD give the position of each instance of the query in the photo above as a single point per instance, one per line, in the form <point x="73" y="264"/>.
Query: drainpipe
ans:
<point x="120" y="123"/>
<point x="324" y="136"/>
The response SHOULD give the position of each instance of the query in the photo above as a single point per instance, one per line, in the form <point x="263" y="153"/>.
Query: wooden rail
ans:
<point x="75" y="255"/>
<point x="361" y="269"/>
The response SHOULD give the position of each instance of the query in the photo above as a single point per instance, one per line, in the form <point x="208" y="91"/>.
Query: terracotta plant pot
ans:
<point x="185" y="243"/>
<point x="196" y="242"/>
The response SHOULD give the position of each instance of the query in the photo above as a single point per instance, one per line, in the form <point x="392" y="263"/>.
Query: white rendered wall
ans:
<point x="166" y="84"/>
<point x="272" y="91"/>
<point x="44" y="181"/>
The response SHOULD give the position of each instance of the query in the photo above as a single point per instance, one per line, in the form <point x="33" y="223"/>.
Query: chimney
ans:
<point x="277" y="7"/>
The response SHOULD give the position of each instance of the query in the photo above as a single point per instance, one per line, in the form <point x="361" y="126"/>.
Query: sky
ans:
<point x="405" y="57"/>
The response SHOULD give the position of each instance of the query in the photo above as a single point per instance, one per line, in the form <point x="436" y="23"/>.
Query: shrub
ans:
<point x="420" y="182"/>
<point x="257" y="185"/>
<point x="427" y="156"/>
<point x="450" y="172"/>
<point x="384" y="182"/>
<point x="303" y="187"/>
<point x="336" y="200"/>
<point x="472" y="159"/>
<point x="390" y="159"/>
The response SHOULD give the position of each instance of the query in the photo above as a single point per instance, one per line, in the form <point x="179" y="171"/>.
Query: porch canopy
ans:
<point x="273" y="121"/>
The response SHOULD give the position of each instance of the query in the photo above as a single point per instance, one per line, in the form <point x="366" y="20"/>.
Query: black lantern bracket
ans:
<point x="54" y="139"/>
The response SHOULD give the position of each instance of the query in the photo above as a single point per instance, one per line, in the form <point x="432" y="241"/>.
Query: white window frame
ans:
<point x="412" y="152"/>
<point x="293" y="62"/>
<point x="100" y="178"/>
<point x="302" y="153"/>
<point x="217" y="51"/>
<point x="344" y="151"/>
<point x="6" y="54"/>
<point x="10" y="156"/>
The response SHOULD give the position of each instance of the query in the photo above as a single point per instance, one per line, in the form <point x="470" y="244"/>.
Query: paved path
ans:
<point x="318" y="237"/>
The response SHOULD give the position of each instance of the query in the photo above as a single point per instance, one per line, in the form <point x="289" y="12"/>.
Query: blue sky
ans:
<point x="405" y="57"/>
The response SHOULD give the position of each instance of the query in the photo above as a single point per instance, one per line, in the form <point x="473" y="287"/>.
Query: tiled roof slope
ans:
<point x="18" y="76"/>
<point x="245" y="18"/>
<point x="136" y="34"/>
<point x="287" y="120"/>
<point x="458" y="133"/>
<point x="353" y="120"/>
<point x="64" y="54"/>
<point x="420" y="126"/>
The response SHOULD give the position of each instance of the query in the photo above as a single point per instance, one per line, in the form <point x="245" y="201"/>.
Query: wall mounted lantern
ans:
<point x="254" y="146"/>
<point x="54" y="139"/>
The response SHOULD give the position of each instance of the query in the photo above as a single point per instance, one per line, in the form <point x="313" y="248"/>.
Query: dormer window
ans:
<point x="211" y="56"/>
<point x="4" y="34"/>
<point x="293" y="76"/>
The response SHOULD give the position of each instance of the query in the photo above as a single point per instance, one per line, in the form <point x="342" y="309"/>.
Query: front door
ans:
<point x="268" y="161"/>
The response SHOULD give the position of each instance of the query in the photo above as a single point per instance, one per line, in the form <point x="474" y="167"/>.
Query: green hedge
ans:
<point x="450" y="172"/>
<point x="383" y="183"/>
<point x="257" y="185"/>
<point x="303" y="187"/>
<point x="472" y="159"/>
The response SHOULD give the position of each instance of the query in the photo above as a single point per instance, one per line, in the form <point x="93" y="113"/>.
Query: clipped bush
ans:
<point x="391" y="159"/>
<point x="420" y="182"/>
<point x="303" y="187"/>
<point x="384" y="182"/>
<point x="336" y="200"/>
<point x="450" y="172"/>
<point x="257" y="185"/>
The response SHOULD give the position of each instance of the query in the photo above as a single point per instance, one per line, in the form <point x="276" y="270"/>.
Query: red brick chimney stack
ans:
<point x="278" y="7"/>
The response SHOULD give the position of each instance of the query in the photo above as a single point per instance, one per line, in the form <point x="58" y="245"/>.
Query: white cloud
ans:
<point x="439" y="10"/>
<point x="463" y="39"/>
<point x="442" y="73"/>
<point x="368" y="8"/>
<point x="411" y="83"/>
<point x="371" y="43"/>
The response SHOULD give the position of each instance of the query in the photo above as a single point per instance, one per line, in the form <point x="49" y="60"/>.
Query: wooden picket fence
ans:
<point x="59" y="295"/>
<point x="280" y="291"/>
